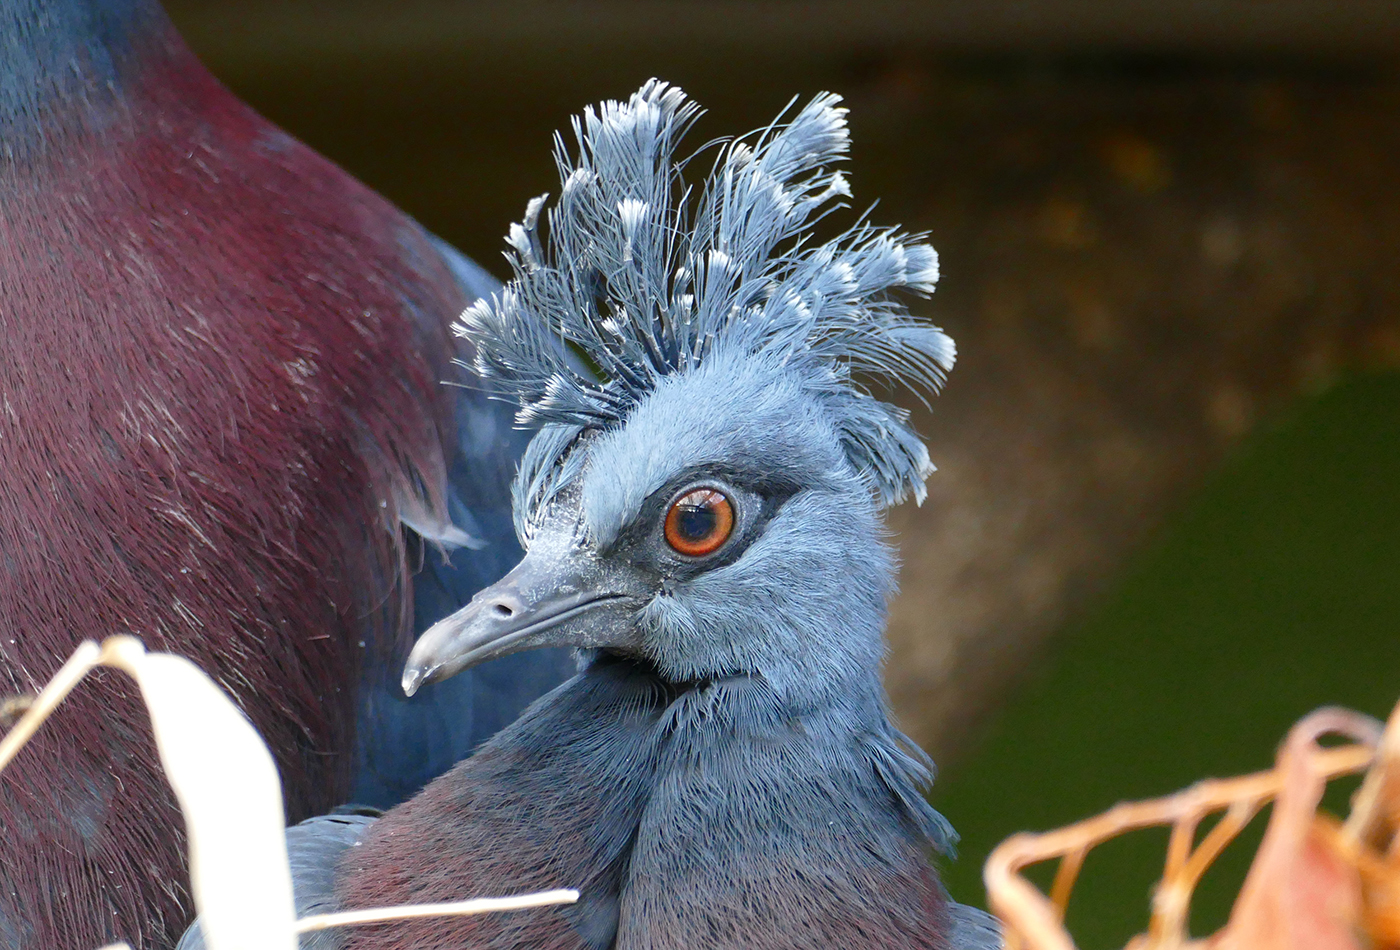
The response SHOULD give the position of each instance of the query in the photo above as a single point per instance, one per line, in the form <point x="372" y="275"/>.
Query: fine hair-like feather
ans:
<point x="638" y="275"/>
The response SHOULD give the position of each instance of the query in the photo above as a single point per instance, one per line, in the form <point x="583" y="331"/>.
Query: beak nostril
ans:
<point x="502" y="610"/>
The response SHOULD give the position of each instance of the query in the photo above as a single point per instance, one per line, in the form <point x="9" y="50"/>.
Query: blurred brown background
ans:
<point x="1168" y="229"/>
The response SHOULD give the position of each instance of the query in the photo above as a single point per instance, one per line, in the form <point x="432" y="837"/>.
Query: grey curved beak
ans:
<point x="547" y="600"/>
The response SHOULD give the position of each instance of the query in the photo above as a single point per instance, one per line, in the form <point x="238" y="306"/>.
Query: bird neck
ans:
<point x="836" y="739"/>
<point x="803" y="821"/>
<point x="702" y="814"/>
<point x="63" y="61"/>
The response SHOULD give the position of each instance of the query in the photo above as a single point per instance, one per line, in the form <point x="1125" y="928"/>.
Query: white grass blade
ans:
<point x="480" y="905"/>
<point x="228" y="789"/>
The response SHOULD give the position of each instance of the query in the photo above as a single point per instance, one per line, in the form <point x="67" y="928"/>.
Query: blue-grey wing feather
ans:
<point x="314" y="848"/>
<point x="972" y="929"/>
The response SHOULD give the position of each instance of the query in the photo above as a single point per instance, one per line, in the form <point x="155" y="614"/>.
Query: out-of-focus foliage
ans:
<point x="1275" y="593"/>
<point x="1314" y="884"/>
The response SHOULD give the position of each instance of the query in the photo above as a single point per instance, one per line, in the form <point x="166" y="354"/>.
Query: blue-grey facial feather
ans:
<point x="634" y="275"/>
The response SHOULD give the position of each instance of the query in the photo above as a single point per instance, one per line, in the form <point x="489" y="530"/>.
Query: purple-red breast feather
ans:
<point x="216" y="389"/>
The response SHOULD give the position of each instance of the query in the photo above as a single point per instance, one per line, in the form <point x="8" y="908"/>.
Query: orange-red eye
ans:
<point x="699" y="522"/>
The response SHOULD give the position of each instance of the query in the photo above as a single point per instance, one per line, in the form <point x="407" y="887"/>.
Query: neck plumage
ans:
<point x="700" y="815"/>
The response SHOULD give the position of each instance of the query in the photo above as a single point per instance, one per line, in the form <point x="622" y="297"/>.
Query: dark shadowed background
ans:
<point x="1165" y="522"/>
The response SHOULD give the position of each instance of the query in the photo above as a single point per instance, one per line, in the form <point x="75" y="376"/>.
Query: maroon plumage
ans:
<point x="219" y="391"/>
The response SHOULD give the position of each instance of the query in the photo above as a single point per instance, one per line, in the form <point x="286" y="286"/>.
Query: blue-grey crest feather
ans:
<point x="638" y="275"/>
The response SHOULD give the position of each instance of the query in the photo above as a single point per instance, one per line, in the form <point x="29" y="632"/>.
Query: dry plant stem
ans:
<point x="1368" y="807"/>
<point x="1171" y="901"/>
<point x="1033" y="920"/>
<point x="481" y="905"/>
<point x="1030" y="921"/>
<point x="1270" y="909"/>
<point x="129" y="655"/>
<point x="114" y="651"/>
<point x="1065" y="877"/>
<point x="1179" y="847"/>
<point x="84" y="658"/>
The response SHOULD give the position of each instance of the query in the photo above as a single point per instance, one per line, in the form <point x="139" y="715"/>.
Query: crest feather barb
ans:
<point x="639" y="277"/>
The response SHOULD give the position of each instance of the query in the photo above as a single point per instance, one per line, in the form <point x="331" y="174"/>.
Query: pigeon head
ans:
<point x="704" y="492"/>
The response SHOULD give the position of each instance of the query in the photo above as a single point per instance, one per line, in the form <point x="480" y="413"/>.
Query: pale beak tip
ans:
<point x="414" y="677"/>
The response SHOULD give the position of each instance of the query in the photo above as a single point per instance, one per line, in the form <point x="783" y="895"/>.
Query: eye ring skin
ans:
<point x="754" y="502"/>
<point x="704" y="507"/>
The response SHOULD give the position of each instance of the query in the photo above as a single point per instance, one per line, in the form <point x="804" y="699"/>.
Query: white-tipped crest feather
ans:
<point x="642" y="276"/>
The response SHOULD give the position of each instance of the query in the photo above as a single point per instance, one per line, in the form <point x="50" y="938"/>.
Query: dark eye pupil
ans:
<point x="696" y="522"/>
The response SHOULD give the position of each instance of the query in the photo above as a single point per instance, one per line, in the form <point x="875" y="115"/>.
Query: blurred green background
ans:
<point x="1274" y="592"/>
<point x="1164" y="525"/>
